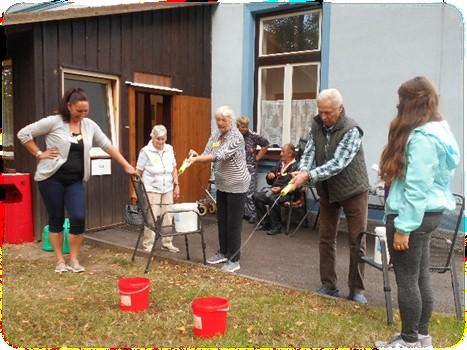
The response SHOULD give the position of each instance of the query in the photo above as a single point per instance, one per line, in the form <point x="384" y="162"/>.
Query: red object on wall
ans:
<point x="2" y="222"/>
<point x="18" y="224"/>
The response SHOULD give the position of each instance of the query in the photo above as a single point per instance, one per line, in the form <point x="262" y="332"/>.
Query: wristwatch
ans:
<point x="38" y="153"/>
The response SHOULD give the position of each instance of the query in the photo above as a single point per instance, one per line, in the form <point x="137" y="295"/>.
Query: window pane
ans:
<point x="291" y="33"/>
<point x="272" y="104"/>
<point x="98" y="101"/>
<point x="7" y="107"/>
<point x="304" y="86"/>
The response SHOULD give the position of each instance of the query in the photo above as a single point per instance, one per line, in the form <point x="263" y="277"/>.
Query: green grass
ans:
<point x="44" y="309"/>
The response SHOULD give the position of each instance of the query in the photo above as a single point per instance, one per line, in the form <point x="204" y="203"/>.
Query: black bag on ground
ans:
<point x="133" y="215"/>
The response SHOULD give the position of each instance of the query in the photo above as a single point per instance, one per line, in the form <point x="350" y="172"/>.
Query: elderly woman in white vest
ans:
<point x="158" y="170"/>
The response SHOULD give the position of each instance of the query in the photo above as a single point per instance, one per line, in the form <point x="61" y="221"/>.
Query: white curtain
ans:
<point x="303" y="111"/>
<point x="271" y="121"/>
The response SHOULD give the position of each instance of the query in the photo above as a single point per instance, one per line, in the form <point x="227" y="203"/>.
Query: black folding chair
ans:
<point x="295" y="205"/>
<point x="384" y="267"/>
<point x="442" y="247"/>
<point x="443" y="243"/>
<point x="155" y="223"/>
<point x="307" y="189"/>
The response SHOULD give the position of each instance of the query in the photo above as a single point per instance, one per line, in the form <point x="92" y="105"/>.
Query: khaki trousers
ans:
<point x="160" y="203"/>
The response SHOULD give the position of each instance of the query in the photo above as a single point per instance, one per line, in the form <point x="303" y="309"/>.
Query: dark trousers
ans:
<point x="249" y="204"/>
<point x="57" y="197"/>
<point x="262" y="201"/>
<point x="230" y="208"/>
<point x="356" y="214"/>
<point x="413" y="277"/>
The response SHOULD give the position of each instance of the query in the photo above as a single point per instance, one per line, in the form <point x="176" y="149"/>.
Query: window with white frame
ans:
<point x="288" y="67"/>
<point x="103" y="94"/>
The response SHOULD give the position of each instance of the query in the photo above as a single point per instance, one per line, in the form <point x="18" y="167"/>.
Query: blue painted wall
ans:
<point x="325" y="35"/>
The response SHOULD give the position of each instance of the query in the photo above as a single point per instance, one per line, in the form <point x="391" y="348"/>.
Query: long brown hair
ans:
<point x="418" y="104"/>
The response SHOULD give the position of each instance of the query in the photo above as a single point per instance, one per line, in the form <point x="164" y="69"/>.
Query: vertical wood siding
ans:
<point x="172" y="42"/>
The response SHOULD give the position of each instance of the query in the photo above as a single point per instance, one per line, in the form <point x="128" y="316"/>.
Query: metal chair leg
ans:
<point x="203" y="246"/>
<point x="316" y="219"/>
<point x="151" y="254"/>
<point x="386" y="284"/>
<point x="137" y="243"/>
<point x="289" y="218"/>
<point x="455" y="289"/>
<point x="187" y="249"/>
<point x="299" y="224"/>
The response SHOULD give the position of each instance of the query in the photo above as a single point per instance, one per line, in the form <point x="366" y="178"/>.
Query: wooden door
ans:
<point x="190" y="129"/>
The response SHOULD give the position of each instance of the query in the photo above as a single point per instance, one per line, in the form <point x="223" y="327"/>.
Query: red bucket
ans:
<point x="209" y="316"/>
<point x="134" y="293"/>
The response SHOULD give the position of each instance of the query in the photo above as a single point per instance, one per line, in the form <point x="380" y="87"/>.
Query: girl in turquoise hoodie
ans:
<point x="418" y="162"/>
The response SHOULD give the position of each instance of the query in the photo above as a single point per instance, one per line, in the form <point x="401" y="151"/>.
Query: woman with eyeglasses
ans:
<point x="64" y="165"/>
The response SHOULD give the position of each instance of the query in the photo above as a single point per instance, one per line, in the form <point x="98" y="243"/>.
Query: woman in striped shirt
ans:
<point x="226" y="149"/>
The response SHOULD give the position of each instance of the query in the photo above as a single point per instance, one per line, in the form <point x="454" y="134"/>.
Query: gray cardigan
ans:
<point x="57" y="134"/>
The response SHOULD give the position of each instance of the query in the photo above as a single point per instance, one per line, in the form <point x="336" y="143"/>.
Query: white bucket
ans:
<point x="381" y="232"/>
<point x="185" y="221"/>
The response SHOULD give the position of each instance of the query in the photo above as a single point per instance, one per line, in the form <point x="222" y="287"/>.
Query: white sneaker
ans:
<point x="426" y="341"/>
<point x="170" y="247"/>
<point x="231" y="266"/>
<point x="397" y="342"/>
<point x="216" y="258"/>
<point x="61" y="267"/>
<point x="74" y="266"/>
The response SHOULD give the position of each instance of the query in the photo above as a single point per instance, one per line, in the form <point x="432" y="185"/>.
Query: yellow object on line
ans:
<point x="183" y="167"/>
<point x="289" y="188"/>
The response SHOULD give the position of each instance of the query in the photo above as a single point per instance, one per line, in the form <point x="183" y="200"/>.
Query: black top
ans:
<point x="73" y="169"/>
<point x="282" y="179"/>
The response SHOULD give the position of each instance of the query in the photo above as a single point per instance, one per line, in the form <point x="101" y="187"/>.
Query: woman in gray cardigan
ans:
<point x="63" y="167"/>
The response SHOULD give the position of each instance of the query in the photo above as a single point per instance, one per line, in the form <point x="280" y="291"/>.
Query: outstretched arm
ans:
<point x="115" y="154"/>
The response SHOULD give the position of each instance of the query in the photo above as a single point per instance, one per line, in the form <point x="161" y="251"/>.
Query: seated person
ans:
<point x="278" y="179"/>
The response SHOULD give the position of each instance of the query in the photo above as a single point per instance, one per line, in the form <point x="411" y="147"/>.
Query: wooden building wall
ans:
<point x="173" y="42"/>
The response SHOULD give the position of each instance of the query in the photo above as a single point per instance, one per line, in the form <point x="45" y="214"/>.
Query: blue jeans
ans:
<point x="57" y="196"/>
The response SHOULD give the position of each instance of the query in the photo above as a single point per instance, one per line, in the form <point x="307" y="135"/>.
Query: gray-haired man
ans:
<point x="335" y="147"/>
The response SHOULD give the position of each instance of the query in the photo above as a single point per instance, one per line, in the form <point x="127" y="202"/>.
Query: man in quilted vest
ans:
<point x="333" y="160"/>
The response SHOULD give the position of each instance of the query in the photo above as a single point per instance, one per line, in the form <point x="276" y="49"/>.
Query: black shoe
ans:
<point x="275" y="231"/>
<point x="252" y="220"/>
<point x="263" y="227"/>
<point x="246" y="217"/>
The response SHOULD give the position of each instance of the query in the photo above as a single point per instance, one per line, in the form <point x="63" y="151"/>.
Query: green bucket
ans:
<point x="66" y="243"/>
